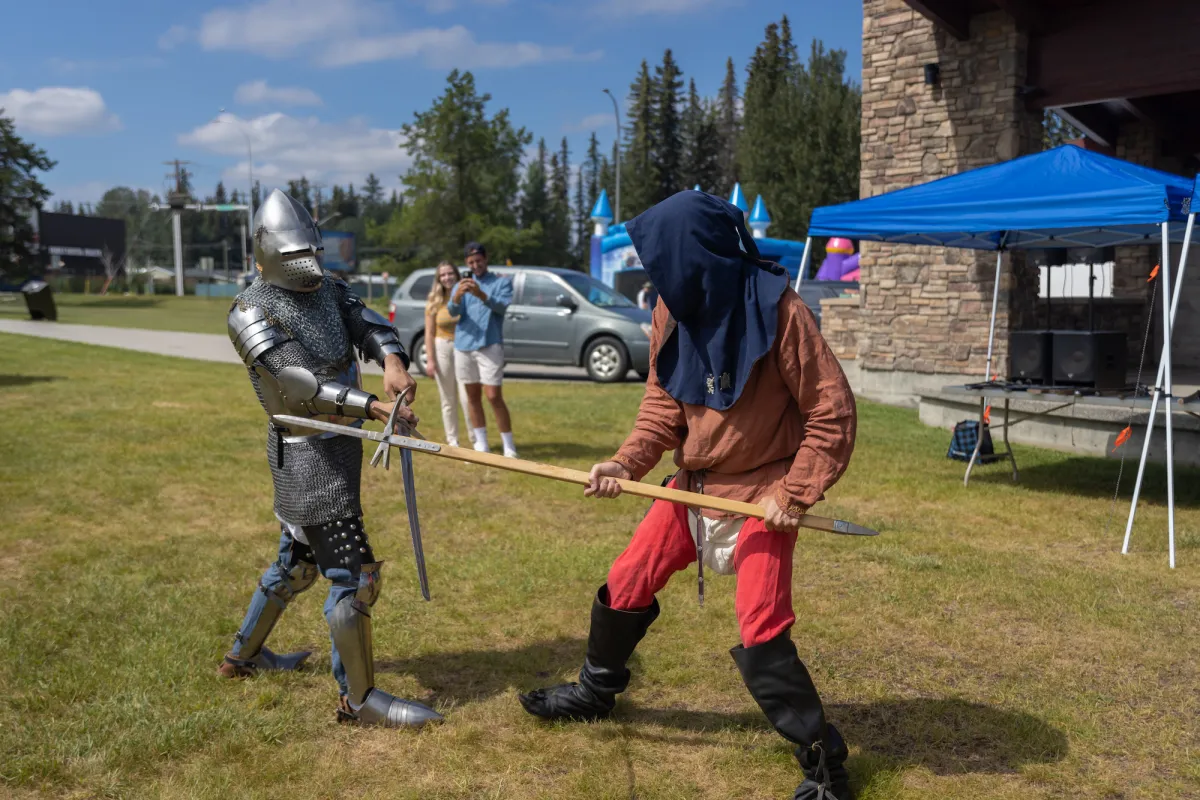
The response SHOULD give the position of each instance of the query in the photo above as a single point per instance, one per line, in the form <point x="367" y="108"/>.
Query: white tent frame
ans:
<point x="1162" y="389"/>
<point x="1098" y="236"/>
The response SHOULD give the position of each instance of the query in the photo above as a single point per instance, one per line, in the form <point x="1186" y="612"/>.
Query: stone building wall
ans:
<point x="926" y="309"/>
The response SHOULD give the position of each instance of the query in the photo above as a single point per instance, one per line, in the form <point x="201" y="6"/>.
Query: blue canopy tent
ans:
<point x="1065" y="197"/>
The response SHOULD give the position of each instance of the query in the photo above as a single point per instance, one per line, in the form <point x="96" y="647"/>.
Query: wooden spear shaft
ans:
<point x="575" y="476"/>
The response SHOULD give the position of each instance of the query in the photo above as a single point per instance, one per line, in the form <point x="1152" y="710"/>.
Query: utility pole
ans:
<point x="245" y="257"/>
<point x="177" y="200"/>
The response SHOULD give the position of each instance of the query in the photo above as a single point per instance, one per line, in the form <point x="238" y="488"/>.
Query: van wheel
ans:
<point x="420" y="355"/>
<point x="606" y="360"/>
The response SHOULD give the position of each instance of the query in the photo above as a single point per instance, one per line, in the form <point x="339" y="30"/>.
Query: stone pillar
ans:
<point x="926" y="309"/>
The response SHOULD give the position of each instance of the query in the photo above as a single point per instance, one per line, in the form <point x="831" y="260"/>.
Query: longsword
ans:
<point x="578" y="477"/>
<point x="410" y="488"/>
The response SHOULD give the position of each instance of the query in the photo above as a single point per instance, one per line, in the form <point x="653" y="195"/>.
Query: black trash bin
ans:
<point x="40" y="300"/>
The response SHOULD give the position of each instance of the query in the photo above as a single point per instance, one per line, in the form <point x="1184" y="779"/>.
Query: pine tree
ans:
<point x="591" y="170"/>
<point x="729" y="126"/>
<point x="533" y="212"/>
<point x="583" y="224"/>
<point x="219" y="195"/>
<point x="639" y="165"/>
<point x="766" y="143"/>
<point x="701" y="142"/>
<point x="667" y="127"/>
<point x="607" y="178"/>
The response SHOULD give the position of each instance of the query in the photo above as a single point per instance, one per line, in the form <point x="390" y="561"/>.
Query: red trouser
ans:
<point x="663" y="545"/>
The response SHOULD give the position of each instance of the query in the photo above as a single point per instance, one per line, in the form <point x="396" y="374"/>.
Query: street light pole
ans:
<point x="617" y="149"/>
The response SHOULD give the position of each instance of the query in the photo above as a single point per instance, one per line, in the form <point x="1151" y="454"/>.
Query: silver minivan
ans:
<point x="557" y="316"/>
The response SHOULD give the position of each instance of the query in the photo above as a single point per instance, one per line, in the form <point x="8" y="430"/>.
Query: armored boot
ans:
<point x="611" y="642"/>
<point x="783" y="689"/>
<point x="350" y="626"/>
<point x="249" y="655"/>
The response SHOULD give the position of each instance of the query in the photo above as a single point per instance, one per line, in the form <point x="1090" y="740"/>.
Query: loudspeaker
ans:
<point x="39" y="300"/>
<point x="1029" y="356"/>
<point x="1090" y="358"/>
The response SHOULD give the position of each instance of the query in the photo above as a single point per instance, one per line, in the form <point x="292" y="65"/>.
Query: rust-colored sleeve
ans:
<point x="660" y="422"/>
<point x="815" y="378"/>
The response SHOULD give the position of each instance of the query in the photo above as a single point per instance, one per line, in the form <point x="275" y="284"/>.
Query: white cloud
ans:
<point x="259" y="93"/>
<point x="280" y="28"/>
<point x="337" y="33"/>
<point x="70" y="66"/>
<point x="175" y="36"/>
<point x="641" y="8"/>
<point x="444" y="6"/>
<point x="591" y="122"/>
<point x="286" y="147"/>
<point x="445" y="48"/>
<point x="59" y="110"/>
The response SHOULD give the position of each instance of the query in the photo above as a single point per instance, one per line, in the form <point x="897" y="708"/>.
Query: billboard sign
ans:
<point x="81" y="241"/>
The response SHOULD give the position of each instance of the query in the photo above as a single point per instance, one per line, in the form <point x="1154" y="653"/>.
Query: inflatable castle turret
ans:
<point x="602" y="215"/>
<point x="759" y="219"/>
<point x="738" y="198"/>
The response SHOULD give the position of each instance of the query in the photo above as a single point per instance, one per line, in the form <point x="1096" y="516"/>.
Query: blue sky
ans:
<point x="321" y="87"/>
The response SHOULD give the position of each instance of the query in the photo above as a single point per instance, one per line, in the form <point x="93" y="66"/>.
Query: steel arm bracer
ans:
<point x="304" y="394"/>
<point x="252" y="334"/>
<point x="375" y="336"/>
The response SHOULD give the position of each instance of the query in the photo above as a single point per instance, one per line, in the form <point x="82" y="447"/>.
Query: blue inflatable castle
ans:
<point x="615" y="263"/>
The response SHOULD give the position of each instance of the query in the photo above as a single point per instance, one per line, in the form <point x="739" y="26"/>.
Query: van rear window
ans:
<point x="420" y="288"/>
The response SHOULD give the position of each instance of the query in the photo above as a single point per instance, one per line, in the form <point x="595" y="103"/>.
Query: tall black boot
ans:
<point x="611" y="642"/>
<point x="783" y="689"/>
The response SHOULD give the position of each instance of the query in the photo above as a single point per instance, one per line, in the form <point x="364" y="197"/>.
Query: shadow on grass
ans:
<point x="25" y="380"/>
<point x="473" y="675"/>
<point x="947" y="736"/>
<point x="1096" y="477"/>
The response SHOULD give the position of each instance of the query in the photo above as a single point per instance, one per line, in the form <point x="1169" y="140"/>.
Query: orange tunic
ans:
<point x="790" y="433"/>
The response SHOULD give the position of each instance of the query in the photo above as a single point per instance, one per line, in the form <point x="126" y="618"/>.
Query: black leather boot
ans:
<point x="611" y="642"/>
<point x="783" y="689"/>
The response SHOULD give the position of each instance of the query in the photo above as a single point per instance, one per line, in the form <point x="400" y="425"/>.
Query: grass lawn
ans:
<point x="992" y="643"/>
<point x="162" y="312"/>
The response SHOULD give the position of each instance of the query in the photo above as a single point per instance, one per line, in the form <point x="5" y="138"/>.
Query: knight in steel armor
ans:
<point x="296" y="328"/>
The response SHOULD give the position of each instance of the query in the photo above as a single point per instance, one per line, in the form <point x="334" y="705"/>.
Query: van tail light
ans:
<point x="391" y="312"/>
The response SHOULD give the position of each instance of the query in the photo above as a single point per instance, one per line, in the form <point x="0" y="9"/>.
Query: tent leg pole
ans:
<point x="1167" y="399"/>
<point x="1158" y="382"/>
<point x="992" y="327"/>
<point x="804" y="262"/>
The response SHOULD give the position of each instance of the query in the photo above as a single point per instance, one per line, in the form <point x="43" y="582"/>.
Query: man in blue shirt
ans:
<point x="480" y="301"/>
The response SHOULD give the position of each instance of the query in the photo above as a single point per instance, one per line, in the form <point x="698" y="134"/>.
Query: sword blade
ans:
<point x="635" y="488"/>
<point x="414" y="520"/>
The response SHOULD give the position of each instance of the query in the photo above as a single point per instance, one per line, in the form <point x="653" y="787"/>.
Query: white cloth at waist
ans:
<point x="720" y="540"/>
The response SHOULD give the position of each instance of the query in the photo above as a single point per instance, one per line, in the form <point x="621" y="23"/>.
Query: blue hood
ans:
<point x="702" y="260"/>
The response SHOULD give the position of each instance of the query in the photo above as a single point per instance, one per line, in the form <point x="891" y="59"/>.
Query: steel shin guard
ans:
<point x="252" y="655"/>
<point x="612" y="639"/>
<point x="350" y="626"/>
<point x="783" y="689"/>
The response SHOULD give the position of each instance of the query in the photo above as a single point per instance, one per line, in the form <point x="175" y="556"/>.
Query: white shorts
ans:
<point x="485" y="365"/>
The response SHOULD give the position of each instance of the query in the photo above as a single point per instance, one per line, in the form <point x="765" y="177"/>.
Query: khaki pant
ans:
<point x="452" y="393"/>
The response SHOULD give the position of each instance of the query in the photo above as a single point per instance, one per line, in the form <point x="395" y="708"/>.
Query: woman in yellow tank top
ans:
<point x="439" y="349"/>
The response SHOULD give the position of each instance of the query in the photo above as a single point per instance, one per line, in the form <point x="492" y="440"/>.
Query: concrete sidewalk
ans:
<point x="215" y="347"/>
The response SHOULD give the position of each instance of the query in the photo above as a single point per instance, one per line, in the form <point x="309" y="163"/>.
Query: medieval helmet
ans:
<point x="287" y="244"/>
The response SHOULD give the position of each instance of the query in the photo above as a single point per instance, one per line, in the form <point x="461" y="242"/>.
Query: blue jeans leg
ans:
<point x="274" y="575"/>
